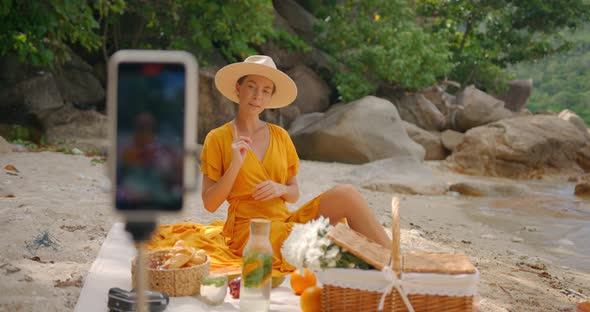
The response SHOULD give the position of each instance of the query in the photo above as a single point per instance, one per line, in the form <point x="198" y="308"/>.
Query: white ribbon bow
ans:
<point x="393" y="281"/>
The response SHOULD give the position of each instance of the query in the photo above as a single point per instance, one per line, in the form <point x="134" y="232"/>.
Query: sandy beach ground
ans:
<point x="55" y="213"/>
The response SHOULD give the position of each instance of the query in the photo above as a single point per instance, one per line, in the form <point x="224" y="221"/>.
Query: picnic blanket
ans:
<point x="112" y="268"/>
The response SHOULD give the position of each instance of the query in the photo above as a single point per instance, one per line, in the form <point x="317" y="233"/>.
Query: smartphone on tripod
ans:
<point x="152" y="106"/>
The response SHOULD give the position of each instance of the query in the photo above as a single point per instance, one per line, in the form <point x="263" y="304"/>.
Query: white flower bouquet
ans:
<point x="307" y="246"/>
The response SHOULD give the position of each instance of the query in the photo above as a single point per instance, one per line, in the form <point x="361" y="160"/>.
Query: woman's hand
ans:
<point x="268" y="190"/>
<point x="239" y="150"/>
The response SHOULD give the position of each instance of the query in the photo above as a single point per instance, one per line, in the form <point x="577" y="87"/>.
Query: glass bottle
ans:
<point x="256" y="268"/>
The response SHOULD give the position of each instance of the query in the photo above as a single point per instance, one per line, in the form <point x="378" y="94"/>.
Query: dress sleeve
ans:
<point x="292" y="158"/>
<point x="211" y="157"/>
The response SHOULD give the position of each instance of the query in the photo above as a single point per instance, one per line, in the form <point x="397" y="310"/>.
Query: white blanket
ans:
<point x="112" y="268"/>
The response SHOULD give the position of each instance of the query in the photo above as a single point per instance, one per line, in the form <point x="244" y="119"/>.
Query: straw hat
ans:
<point x="285" y="88"/>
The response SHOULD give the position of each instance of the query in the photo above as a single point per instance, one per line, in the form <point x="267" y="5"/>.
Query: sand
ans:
<point x="55" y="213"/>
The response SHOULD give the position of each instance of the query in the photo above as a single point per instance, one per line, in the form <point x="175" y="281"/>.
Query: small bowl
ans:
<point x="214" y="289"/>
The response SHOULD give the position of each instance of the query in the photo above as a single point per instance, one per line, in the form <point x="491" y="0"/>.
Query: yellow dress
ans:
<point x="225" y="241"/>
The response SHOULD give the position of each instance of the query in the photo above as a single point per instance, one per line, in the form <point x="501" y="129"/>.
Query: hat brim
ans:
<point x="285" y="88"/>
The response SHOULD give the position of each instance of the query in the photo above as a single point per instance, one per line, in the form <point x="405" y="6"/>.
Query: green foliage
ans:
<point x="561" y="81"/>
<point x="485" y="36"/>
<point x="98" y="161"/>
<point x="39" y="31"/>
<point x="231" y="26"/>
<point x="378" y="40"/>
<point x="20" y="133"/>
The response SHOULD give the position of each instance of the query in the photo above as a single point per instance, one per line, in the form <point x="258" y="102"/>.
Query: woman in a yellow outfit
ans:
<point x="253" y="165"/>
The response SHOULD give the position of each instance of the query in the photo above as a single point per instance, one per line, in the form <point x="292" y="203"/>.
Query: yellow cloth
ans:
<point x="225" y="241"/>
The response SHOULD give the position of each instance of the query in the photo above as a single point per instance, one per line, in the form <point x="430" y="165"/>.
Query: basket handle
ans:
<point x="396" y="257"/>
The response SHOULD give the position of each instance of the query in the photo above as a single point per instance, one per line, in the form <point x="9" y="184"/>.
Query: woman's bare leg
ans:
<point x="344" y="201"/>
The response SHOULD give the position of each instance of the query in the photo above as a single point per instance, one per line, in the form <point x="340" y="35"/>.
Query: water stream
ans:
<point x="549" y="218"/>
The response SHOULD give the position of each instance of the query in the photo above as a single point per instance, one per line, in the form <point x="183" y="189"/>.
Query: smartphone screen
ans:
<point x="150" y="136"/>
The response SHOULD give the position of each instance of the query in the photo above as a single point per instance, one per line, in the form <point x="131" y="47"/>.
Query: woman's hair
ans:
<point x="241" y="80"/>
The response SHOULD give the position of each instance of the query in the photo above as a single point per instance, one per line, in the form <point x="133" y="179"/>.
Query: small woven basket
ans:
<point x="174" y="282"/>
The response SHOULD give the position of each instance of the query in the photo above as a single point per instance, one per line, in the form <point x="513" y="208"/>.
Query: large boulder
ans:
<point x="83" y="128"/>
<point x="305" y="120"/>
<point x="522" y="147"/>
<point x="572" y="117"/>
<point x="301" y="21"/>
<point x="214" y="108"/>
<point x="431" y="141"/>
<point x="34" y="90"/>
<point x="416" y="109"/>
<point x="518" y="94"/>
<point x="78" y="85"/>
<point x="478" y="109"/>
<point x="358" y="132"/>
<point x="313" y="95"/>
<point x="32" y="96"/>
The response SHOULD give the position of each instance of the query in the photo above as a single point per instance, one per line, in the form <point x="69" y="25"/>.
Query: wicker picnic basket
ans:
<point x="174" y="282"/>
<point x="429" y="281"/>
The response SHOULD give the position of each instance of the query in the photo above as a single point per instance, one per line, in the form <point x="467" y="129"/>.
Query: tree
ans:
<point x="561" y="80"/>
<point x="40" y="31"/>
<point x="378" y="40"/>
<point x="485" y="36"/>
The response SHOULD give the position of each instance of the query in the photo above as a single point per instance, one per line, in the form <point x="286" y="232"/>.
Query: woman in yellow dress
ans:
<point x="253" y="165"/>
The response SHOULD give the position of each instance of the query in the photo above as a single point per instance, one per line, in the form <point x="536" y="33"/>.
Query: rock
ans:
<point x="517" y="239"/>
<point x="440" y="98"/>
<point x="476" y="188"/>
<point x="77" y="151"/>
<point x="17" y="148"/>
<point x="416" y="109"/>
<point x="488" y="236"/>
<point x="522" y="147"/>
<point x="518" y="94"/>
<point x="305" y="120"/>
<point x="298" y="18"/>
<point x="429" y="140"/>
<point x="478" y="109"/>
<point x="365" y="130"/>
<point x="84" y="128"/>
<point x="313" y="95"/>
<point x="451" y="138"/>
<point x="583" y="307"/>
<point x="5" y="147"/>
<point x="572" y="117"/>
<point x="78" y="85"/>
<point x="397" y="188"/>
<point x="283" y="58"/>
<point x="582" y="189"/>
<point x="397" y="175"/>
<point x="36" y="95"/>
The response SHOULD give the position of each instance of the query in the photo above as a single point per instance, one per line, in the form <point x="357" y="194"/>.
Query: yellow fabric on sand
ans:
<point x="225" y="241"/>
